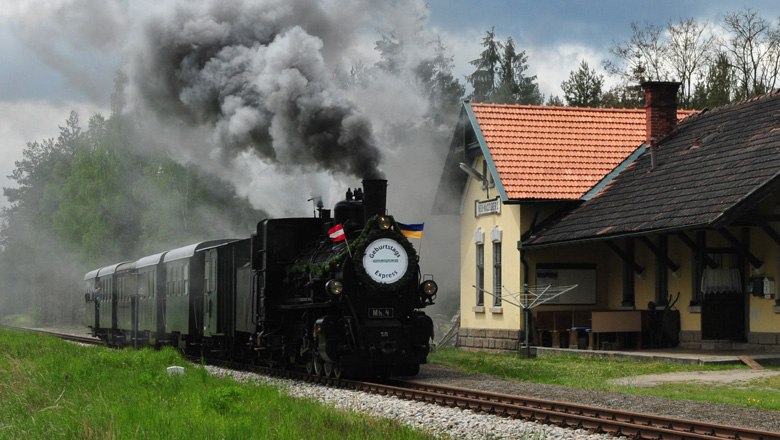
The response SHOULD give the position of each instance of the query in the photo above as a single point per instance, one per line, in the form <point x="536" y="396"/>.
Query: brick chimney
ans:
<point x="660" y="109"/>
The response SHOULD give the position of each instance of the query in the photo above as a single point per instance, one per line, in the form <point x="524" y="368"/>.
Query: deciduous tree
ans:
<point x="753" y="47"/>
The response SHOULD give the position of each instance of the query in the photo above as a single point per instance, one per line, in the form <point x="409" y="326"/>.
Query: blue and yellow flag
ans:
<point x="412" y="231"/>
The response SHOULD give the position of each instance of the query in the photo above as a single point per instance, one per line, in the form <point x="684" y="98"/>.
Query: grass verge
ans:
<point x="53" y="389"/>
<point x="595" y="373"/>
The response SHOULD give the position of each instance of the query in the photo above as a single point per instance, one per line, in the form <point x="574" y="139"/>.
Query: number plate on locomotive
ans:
<point x="383" y="312"/>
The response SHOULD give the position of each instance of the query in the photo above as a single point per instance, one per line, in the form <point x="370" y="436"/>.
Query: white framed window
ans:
<point x="480" y="281"/>
<point x="497" y="274"/>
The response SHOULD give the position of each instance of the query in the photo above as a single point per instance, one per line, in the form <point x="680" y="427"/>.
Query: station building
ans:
<point x="662" y="223"/>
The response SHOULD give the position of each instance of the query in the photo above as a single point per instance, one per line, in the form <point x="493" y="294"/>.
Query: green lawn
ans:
<point x="54" y="389"/>
<point x="595" y="373"/>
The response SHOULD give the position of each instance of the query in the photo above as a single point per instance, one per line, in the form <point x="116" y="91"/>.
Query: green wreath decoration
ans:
<point x="371" y="233"/>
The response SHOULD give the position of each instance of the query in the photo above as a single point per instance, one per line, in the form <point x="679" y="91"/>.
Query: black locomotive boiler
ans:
<point x="333" y="295"/>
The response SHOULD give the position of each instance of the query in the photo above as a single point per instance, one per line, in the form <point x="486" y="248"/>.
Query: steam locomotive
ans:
<point x="334" y="296"/>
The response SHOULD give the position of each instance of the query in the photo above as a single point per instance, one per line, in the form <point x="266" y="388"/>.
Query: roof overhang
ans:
<point x="485" y="151"/>
<point x="592" y="239"/>
<point x="729" y="216"/>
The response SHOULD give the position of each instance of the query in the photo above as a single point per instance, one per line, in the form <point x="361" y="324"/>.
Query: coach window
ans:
<point x="153" y="284"/>
<point x="186" y="278"/>
<point x="174" y="280"/>
<point x="178" y="280"/>
<point x="495" y="238"/>
<point x="207" y="275"/>
<point x="169" y="281"/>
<point x="479" y="242"/>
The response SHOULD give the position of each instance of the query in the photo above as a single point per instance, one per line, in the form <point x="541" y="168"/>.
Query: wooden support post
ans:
<point x="629" y="288"/>
<point x="741" y="248"/>
<point x="628" y="259"/>
<point x="662" y="255"/>
<point x="770" y="231"/>
<point x="692" y="246"/>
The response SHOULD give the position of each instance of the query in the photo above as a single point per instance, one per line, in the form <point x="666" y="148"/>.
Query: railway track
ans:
<point x="569" y="415"/>
<point x="564" y="414"/>
<point x="89" y="340"/>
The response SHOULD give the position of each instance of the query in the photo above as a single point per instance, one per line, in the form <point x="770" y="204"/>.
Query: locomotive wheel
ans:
<point x="337" y="371"/>
<point x="328" y="369"/>
<point x="317" y="363"/>
<point x="310" y="367"/>
<point x="409" y="370"/>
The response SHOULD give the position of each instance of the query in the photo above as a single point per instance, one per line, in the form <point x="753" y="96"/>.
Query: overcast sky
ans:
<point x="43" y="79"/>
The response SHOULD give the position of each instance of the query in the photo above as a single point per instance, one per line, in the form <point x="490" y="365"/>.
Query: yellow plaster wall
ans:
<point x="761" y="310"/>
<point x="682" y="282"/>
<point x="509" y="222"/>
<point x="644" y="283"/>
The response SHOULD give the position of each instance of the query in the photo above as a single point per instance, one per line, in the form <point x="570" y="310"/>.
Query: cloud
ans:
<point x="552" y="65"/>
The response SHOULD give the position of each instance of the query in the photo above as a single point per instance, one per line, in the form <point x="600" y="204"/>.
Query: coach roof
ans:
<point x="189" y="250"/>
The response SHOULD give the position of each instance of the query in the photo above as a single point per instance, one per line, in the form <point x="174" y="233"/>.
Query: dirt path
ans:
<point x="711" y="377"/>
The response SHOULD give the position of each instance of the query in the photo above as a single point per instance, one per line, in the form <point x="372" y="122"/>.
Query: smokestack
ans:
<point x="374" y="197"/>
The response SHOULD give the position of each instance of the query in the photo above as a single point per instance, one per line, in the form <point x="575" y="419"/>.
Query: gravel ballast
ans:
<point x="730" y="415"/>
<point x="441" y="421"/>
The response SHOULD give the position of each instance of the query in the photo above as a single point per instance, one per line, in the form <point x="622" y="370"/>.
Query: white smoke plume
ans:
<point x="280" y="97"/>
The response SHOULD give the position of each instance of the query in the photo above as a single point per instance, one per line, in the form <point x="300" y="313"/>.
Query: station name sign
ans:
<point x="487" y="207"/>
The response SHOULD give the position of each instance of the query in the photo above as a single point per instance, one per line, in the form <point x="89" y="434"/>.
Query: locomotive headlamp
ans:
<point x="384" y="222"/>
<point x="334" y="287"/>
<point x="429" y="287"/>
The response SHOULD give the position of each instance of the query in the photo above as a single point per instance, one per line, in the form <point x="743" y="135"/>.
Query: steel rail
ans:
<point x="572" y="415"/>
<point x="66" y="336"/>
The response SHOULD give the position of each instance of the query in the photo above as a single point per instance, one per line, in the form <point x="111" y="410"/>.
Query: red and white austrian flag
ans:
<point x="336" y="233"/>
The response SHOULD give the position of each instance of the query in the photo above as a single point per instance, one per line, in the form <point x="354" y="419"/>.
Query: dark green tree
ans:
<point x="500" y="74"/>
<point x="718" y="87"/>
<point x="391" y="53"/>
<point x="554" y="101"/>
<point x="444" y="91"/>
<point x="514" y="86"/>
<point x="624" y="96"/>
<point x="85" y="200"/>
<point x="584" y="87"/>
<point x="483" y="80"/>
<point x="32" y="262"/>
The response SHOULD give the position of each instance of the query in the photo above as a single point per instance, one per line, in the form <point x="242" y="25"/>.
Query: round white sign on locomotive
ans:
<point x="385" y="261"/>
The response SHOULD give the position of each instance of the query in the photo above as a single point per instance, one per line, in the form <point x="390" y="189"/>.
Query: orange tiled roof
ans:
<point x="558" y="153"/>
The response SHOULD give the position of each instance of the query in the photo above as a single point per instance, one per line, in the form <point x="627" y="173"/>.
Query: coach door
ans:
<point x="90" y="318"/>
<point x="210" y="298"/>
